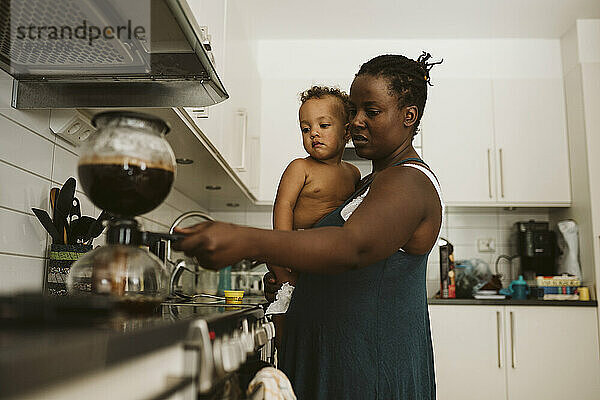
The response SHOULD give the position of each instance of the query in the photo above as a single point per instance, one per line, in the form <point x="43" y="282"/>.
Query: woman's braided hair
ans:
<point x="408" y="78"/>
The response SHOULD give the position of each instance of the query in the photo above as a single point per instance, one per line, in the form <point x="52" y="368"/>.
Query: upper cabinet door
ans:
<point x="531" y="142"/>
<point x="458" y="140"/>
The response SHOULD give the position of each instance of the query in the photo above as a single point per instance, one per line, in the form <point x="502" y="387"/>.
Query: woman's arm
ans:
<point x="397" y="203"/>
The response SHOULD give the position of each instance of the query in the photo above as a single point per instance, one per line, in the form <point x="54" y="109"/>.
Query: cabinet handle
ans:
<point x="242" y="116"/>
<point x="498" y="336"/>
<point x="501" y="174"/>
<point x="512" y="339"/>
<point x="489" y="173"/>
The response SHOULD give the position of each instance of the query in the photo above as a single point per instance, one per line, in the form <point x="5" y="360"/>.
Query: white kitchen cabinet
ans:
<point x="531" y="142"/>
<point x="241" y="116"/>
<point x="458" y="140"/>
<point x="515" y="352"/>
<point x="498" y="142"/>
<point x="232" y="127"/>
<point x="210" y="17"/>
<point x="467" y="344"/>
<point x="552" y="353"/>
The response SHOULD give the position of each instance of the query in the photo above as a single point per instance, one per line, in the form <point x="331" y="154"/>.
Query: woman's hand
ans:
<point x="214" y="244"/>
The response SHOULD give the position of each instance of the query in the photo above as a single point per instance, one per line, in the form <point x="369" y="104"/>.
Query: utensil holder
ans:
<point x="59" y="265"/>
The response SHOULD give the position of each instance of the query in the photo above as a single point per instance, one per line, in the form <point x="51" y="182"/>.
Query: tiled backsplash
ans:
<point x="32" y="160"/>
<point x="462" y="227"/>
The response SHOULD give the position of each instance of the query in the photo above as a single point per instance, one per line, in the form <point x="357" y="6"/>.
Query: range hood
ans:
<point x="67" y="54"/>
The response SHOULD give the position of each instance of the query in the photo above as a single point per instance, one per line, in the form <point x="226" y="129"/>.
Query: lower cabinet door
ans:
<point x="468" y="345"/>
<point x="552" y="353"/>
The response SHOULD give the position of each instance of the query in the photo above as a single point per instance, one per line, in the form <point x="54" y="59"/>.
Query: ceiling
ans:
<point x="404" y="19"/>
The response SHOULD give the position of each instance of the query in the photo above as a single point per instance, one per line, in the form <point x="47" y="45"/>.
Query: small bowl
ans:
<point x="233" y="296"/>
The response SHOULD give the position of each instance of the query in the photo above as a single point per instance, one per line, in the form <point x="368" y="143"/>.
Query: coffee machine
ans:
<point x="536" y="248"/>
<point x="127" y="169"/>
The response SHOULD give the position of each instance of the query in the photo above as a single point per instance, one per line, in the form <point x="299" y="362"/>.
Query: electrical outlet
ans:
<point x="71" y="125"/>
<point x="486" y="245"/>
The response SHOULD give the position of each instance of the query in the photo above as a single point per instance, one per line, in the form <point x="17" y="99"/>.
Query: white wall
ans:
<point x="33" y="160"/>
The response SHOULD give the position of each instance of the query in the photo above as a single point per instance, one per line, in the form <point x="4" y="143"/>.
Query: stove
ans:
<point x="226" y="346"/>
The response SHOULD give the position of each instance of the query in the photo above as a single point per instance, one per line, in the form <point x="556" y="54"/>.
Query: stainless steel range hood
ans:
<point x="164" y="63"/>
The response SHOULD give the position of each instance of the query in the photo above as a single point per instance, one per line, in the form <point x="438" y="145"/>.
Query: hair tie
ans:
<point x="426" y="66"/>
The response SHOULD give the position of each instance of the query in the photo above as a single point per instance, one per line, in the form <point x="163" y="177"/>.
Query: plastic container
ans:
<point x="233" y="296"/>
<point x="224" y="280"/>
<point x="517" y="289"/>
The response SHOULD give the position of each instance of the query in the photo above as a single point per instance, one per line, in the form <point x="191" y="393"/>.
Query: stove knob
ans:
<point x="217" y="349"/>
<point x="270" y="329"/>
<point x="240" y="348"/>
<point x="248" y="342"/>
<point x="231" y="356"/>
<point x="260" y="337"/>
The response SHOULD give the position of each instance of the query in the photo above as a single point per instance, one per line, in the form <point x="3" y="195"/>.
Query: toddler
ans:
<point x="314" y="186"/>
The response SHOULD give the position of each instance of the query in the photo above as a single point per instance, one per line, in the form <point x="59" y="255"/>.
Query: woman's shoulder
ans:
<point x="419" y="182"/>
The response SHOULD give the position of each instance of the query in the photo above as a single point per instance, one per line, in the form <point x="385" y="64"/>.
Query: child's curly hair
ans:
<point x="319" y="92"/>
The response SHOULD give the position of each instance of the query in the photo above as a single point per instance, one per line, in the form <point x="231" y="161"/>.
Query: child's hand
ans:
<point x="271" y="286"/>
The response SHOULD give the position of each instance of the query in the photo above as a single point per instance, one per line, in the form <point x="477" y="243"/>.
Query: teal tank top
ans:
<point x="361" y="334"/>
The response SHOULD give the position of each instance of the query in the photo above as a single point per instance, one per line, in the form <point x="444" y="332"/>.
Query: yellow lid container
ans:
<point x="233" y="296"/>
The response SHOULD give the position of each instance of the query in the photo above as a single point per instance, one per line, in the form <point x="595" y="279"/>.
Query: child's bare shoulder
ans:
<point x="297" y="165"/>
<point x="306" y="164"/>
<point x="353" y="169"/>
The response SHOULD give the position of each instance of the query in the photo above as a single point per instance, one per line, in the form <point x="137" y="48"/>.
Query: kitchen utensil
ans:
<point x="75" y="210"/>
<point x="62" y="208"/>
<point x="54" y="192"/>
<point x="53" y="196"/>
<point x="47" y="223"/>
<point x="127" y="168"/>
<point x="96" y="227"/>
<point x="81" y="226"/>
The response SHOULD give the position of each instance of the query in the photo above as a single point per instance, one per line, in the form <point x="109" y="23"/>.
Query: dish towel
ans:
<point x="282" y="300"/>
<point x="270" y="384"/>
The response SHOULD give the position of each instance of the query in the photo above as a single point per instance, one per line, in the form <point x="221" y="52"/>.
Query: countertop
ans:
<point x="33" y="355"/>
<point x="510" y="302"/>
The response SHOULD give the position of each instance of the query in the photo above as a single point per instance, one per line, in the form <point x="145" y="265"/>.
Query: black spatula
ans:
<point x="47" y="224"/>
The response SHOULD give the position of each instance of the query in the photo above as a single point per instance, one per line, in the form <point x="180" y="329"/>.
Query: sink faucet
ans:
<point x="507" y="258"/>
<point x="180" y="219"/>
<point x="180" y="265"/>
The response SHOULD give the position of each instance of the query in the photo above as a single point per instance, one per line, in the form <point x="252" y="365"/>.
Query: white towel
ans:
<point x="270" y="384"/>
<point x="282" y="300"/>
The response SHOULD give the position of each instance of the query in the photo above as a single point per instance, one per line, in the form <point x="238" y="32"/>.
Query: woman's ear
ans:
<point x="347" y="134"/>
<point x="411" y="114"/>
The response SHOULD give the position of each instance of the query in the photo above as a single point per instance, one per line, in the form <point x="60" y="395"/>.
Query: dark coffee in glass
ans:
<point x="125" y="187"/>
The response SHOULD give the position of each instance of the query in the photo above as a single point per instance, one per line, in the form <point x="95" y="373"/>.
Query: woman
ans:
<point x="358" y="325"/>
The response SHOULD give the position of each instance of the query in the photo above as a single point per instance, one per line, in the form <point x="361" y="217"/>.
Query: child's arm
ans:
<point x="291" y="184"/>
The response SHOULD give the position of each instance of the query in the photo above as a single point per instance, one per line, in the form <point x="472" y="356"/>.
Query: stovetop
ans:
<point x="97" y="340"/>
